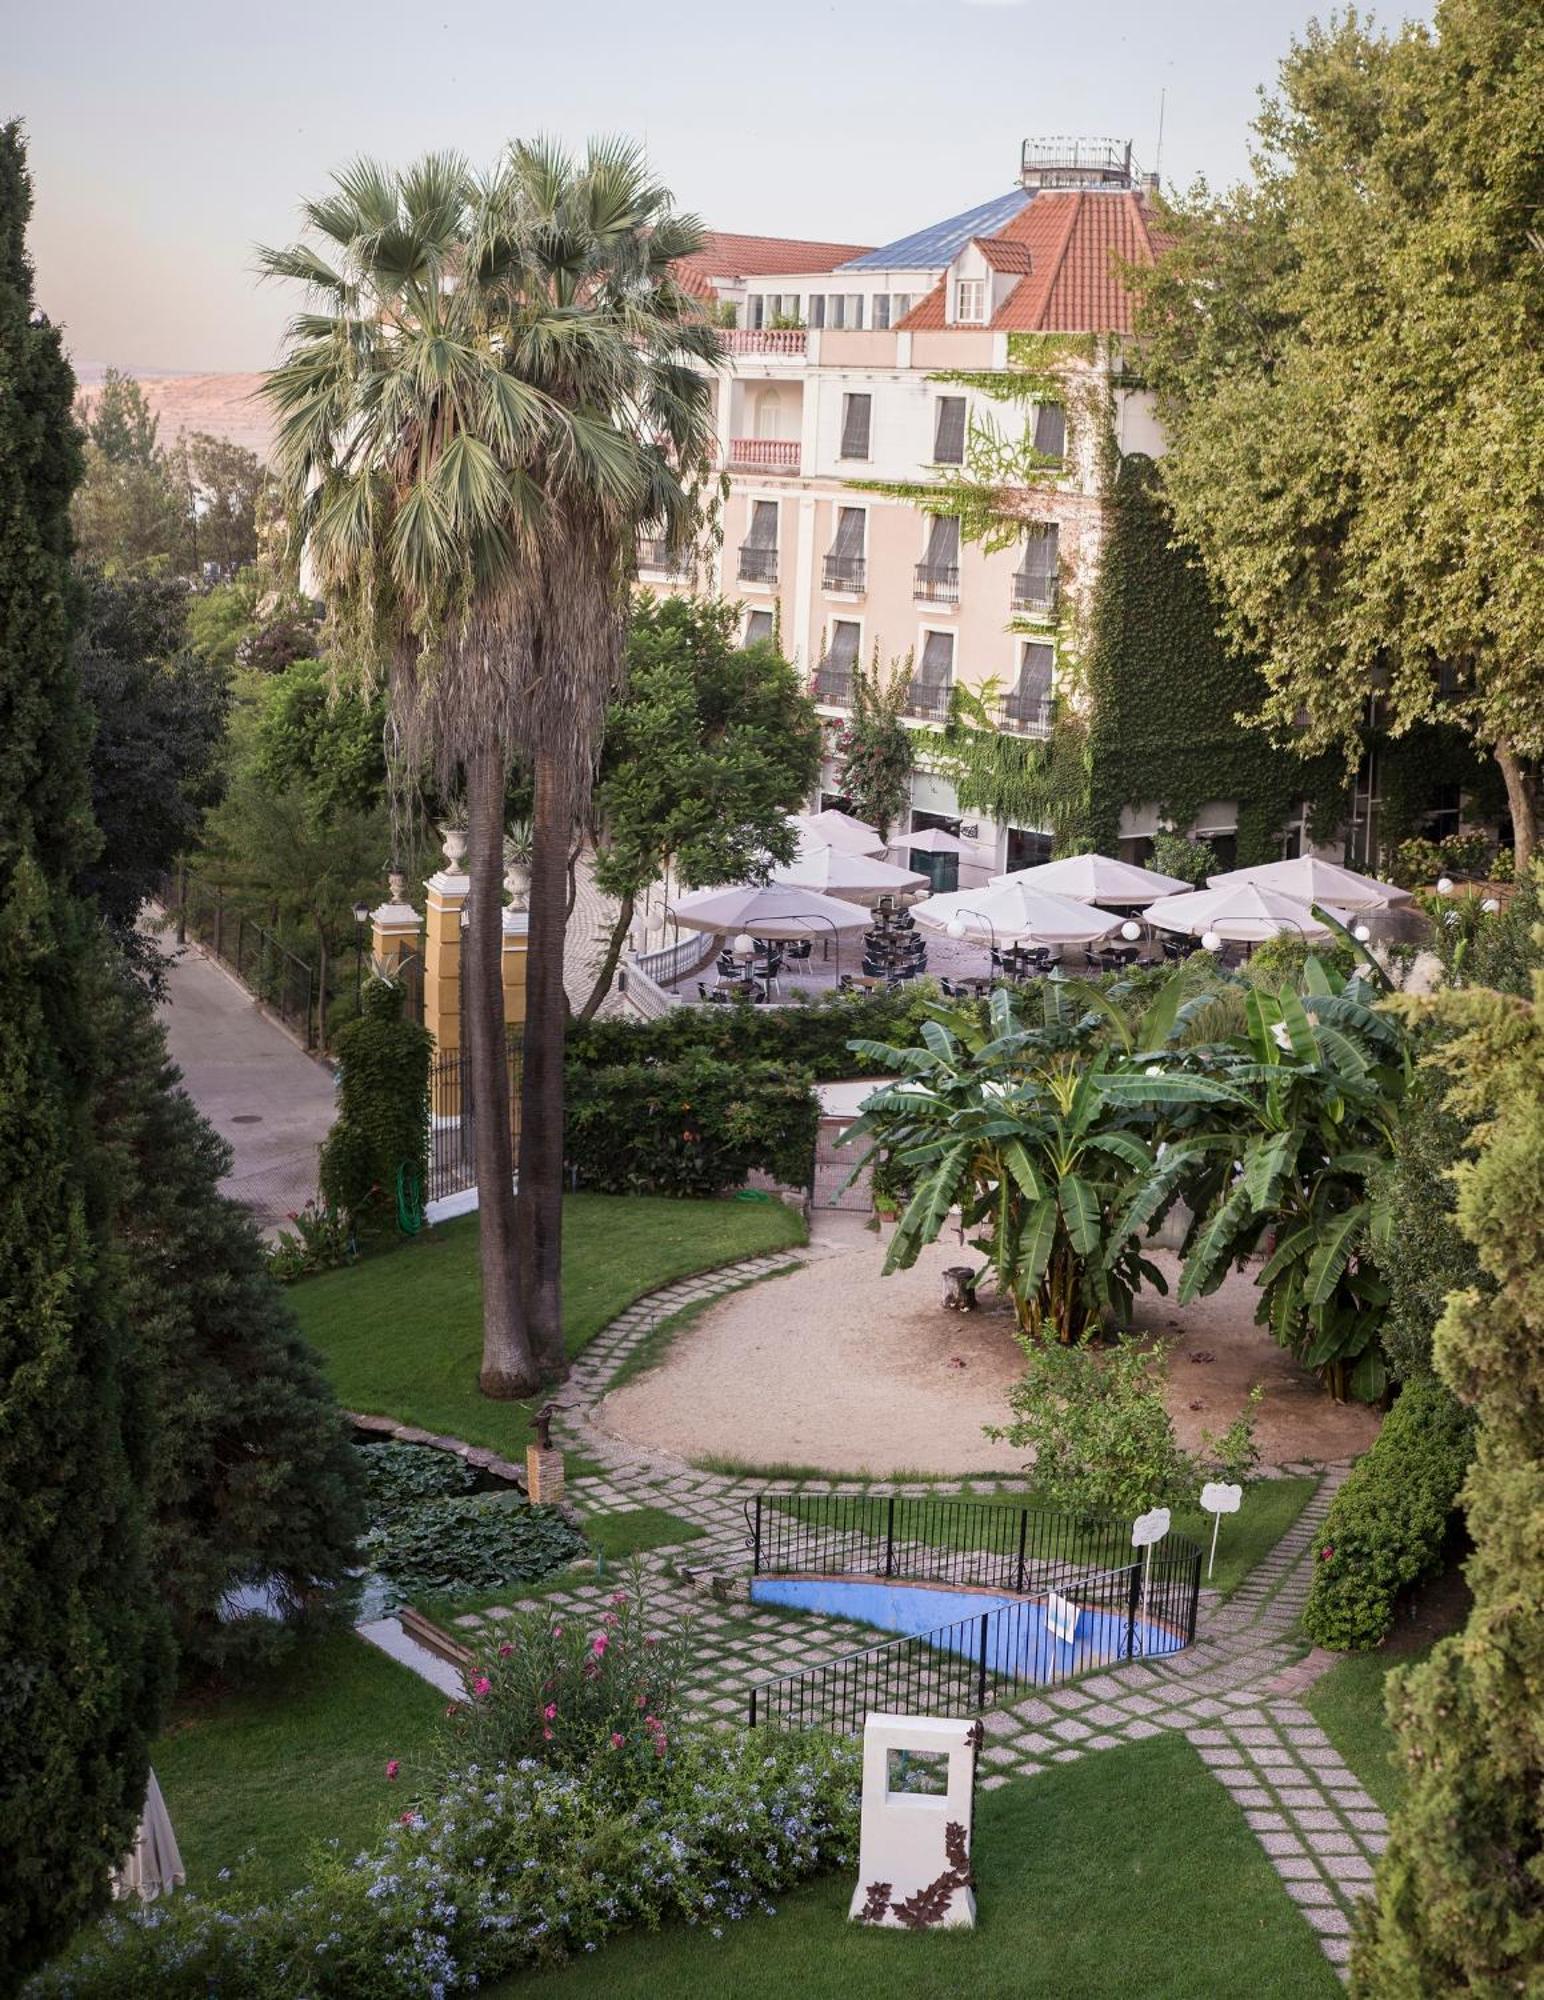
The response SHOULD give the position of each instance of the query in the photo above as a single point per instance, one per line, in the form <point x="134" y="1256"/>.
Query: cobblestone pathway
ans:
<point x="1233" y="1694"/>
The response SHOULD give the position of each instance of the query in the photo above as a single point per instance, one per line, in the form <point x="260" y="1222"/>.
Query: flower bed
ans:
<point x="616" y="1820"/>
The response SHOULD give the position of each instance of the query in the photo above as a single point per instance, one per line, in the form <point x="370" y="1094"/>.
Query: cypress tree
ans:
<point x="255" y="1480"/>
<point x="1460" y="1887"/>
<point x="84" y="1653"/>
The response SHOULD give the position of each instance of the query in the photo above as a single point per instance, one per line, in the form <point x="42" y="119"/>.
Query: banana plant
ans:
<point x="1051" y="1138"/>
<point x="1323" y="1075"/>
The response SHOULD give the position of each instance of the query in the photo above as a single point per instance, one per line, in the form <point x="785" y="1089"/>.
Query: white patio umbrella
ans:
<point x="153" y="1867"/>
<point x="931" y="840"/>
<point x="1311" y="880"/>
<point x="1096" y="878"/>
<point x="1014" y="912"/>
<point x="777" y="910"/>
<point x="839" y="829"/>
<point x="1241" y="912"/>
<point x="855" y="878"/>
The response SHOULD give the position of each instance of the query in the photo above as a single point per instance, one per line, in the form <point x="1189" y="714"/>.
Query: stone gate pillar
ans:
<point x="445" y="895"/>
<point x="394" y="929"/>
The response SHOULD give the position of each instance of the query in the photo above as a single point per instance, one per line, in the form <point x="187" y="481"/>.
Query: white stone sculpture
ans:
<point x="919" y="1779"/>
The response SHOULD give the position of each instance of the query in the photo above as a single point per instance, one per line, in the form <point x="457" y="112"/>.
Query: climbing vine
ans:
<point x="1016" y="780"/>
<point x="1415" y="767"/>
<point x="1165" y="694"/>
<point x="382" y="1127"/>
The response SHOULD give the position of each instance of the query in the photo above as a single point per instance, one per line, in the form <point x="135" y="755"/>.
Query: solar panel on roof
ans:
<point x="936" y="245"/>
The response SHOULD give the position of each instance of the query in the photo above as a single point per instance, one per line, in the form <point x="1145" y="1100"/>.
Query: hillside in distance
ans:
<point x="227" y="406"/>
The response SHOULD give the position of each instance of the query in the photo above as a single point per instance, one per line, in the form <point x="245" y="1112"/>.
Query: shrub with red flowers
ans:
<point x="570" y="1690"/>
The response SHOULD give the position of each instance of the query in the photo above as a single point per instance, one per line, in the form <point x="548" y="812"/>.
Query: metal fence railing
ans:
<point x="280" y="978"/>
<point x="1126" y="1607"/>
<point x="453" y="1118"/>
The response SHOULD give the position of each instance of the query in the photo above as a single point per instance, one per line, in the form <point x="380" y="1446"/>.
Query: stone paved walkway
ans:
<point x="1232" y="1694"/>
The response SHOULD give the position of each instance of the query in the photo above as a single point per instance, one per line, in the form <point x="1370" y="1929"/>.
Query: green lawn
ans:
<point x="1269" y="1509"/>
<point x="1129" y="1874"/>
<point x="1347" y="1704"/>
<point x="401" y="1334"/>
<point x="298" y="1759"/>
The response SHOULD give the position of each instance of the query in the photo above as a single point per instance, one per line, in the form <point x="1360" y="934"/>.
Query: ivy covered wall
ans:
<point x="1163" y="692"/>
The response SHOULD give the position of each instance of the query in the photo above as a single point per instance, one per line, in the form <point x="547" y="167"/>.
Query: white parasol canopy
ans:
<point x="1013" y="912"/>
<point x="855" y="878"/>
<point x="153" y="1867"/>
<point x="931" y="840"/>
<point x="839" y="829"/>
<point x="1095" y="878"/>
<point x="1241" y="912"/>
<point x="779" y="910"/>
<point x="1311" y="880"/>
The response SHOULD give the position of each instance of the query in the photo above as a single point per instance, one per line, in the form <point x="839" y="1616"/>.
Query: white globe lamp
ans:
<point x="1361" y="934"/>
<point x="957" y="927"/>
<point x="1130" y="931"/>
<point x="1210" y="941"/>
<point x="1444" y="885"/>
<point x="744" y="946"/>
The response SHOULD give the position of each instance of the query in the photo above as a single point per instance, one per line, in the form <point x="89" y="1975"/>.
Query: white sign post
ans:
<point x="919" y="1780"/>
<point x="1217" y="1500"/>
<point x="1061" y="1617"/>
<point x="1146" y="1530"/>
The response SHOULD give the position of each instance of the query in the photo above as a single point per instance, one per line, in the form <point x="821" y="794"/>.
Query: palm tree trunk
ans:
<point x="608" y="970"/>
<point x="509" y="1369"/>
<point x="540" y="1202"/>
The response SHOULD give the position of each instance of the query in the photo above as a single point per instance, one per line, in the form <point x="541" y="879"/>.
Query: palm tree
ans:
<point x="598" y="324"/>
<point x="402" y="444"/>
<point x="496" y="394"/>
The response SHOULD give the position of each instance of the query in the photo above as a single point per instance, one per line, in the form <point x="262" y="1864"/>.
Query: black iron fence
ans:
<point x="453" y="1117"/>
<point x="1126" y="1605"/>
<point x="274" y="974"/>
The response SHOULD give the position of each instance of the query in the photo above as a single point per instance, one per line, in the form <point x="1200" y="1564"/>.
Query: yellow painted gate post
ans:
<point x="445" y="895"/>
<point x="517" y="939"/>
<point x="394" y="930"/>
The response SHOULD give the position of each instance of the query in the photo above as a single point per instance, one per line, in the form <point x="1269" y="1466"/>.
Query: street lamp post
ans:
<point x="361" y="918"/>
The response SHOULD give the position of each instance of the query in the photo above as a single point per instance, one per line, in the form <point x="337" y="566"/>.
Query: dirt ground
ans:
<point x="838" y="1368"/>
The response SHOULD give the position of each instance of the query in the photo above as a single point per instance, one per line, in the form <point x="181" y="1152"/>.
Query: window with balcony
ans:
<point x="833" y="676"/>
<point x="970" y="301"/>
<point x="857" y="415"/>
<point x="1035" y="581"/>
<point x="938" y="573"/>
<point x="758" y="628"/>
<point x="1051" y="430"/>
<point x="758" y="552"/>
<point x="1027" y="710"/>
<point x="934" y="676"/>
<point x="949" y="431"/>
<point x="845" y="567"/>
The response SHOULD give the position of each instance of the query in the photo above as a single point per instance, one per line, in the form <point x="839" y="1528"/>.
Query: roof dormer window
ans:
<point x="970" y="301"/>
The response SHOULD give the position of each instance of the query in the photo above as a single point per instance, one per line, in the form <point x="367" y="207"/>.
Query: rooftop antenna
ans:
<point x="1158" y="162"/>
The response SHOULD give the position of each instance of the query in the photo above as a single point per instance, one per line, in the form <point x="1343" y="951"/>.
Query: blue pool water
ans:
<point x="1018" y="1641"/>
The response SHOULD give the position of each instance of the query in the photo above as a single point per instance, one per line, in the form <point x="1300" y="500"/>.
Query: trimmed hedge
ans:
<point x="690" y="1127"/>
<point x="1386" y="1527"/>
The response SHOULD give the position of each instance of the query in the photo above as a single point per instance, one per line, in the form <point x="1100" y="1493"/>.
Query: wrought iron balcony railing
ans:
<point x="758" y="565"/>
<point x="1025" y="714"/>
<point x="833" y="685"/>
<point x="846" y="572"/>
<point x="938" y="583"/>
<point x="928" y="699"/>
<point x="1034" y="592"/>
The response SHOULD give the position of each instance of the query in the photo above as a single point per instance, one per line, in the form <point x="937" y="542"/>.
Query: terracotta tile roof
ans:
<point x="1003" y="253"/>
<point x="724" y="255"/>
<point x="1074" y="242"/>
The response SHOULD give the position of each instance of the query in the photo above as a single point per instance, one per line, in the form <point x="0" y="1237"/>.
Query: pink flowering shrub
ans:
<point x="573" y="1690"/>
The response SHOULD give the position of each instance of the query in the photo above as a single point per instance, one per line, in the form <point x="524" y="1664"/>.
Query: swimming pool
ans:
<point x="1018" y="1640"/>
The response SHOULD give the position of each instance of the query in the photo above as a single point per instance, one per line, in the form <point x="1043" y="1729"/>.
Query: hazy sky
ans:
<point x="168" y="138"/>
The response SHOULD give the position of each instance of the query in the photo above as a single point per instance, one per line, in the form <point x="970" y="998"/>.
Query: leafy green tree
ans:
<point x="874" y="754"/>
<point x="470" y="463"/>
<point x="84" y="1648"/>
<point x="221" y="618"/>
<point x="254" y="1482"/>
<point x="327" y="739"/>
<point x="707" y="750"/>
<point x="130" y="511"/>
<point x="1046" y="1136"/>
<point x="1345" y="355"/>
<point x="1460" y="1887"/>
<point x="221" y="483"/>
<point x="156" y="766"/>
